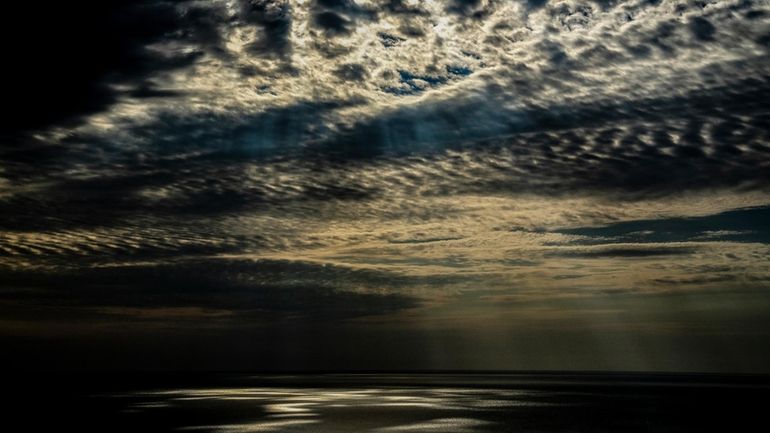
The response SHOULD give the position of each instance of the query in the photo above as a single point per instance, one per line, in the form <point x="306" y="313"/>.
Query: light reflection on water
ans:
<point x="611" y="403"/>
<point x="340" y="410"/>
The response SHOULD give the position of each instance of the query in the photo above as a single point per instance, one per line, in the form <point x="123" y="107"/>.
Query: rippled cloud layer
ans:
<point x="497" y="168"/>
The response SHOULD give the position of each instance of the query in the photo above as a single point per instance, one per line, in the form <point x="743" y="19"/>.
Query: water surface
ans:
<point x="338" y="403"/>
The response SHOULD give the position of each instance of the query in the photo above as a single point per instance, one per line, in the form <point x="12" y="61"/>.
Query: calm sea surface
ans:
<point x="338" y="403"/>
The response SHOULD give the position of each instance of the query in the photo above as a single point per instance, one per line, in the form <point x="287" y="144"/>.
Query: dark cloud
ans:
<point x="342" y="5"/>
<point x="365" y="137"/>
<point x="623" y="252"/>
<point x="743" y="225"/>
<point x="476" y="9"/>
<point x="554" y="52"/>
<point x="252" y="290"/>
<point x="416" y="83"/>
<point x="347" y="7"/>
<point x="352" y="72"/>
<point x="399" y="7"/>
<point x="333" y="23"/>
<point x="203" y="26"/>
<point x="120" y="173"/>
<point x="273" y="18"/>
<point x="389" y="40"/>
<point x="84" y="49"/>
<point x="707" y="138"/>
<point x="698" y="280"/>
<point x="702" y="29"/>
<point x="700" y="139"/>
<point x="147" y="90"/>
<point x="536" y="4"/>
<point x="338" y="17"/>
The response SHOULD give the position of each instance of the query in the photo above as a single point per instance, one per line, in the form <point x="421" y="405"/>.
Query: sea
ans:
<point x="394" y="402"/>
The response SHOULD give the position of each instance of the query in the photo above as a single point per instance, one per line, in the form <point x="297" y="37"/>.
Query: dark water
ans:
<point x="389" y="403"/>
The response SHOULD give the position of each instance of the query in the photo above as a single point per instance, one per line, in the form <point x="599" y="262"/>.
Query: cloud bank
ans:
<point x="398" y="164"/>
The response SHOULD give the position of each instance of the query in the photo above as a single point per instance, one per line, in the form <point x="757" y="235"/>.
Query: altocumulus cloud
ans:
<point x="336" y="160"/>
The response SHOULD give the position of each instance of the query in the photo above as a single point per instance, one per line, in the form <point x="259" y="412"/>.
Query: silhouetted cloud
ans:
<point x="250" y="290"/>
<point x="744" y="225"/>
<point x="626" y="252"/>
<point x="273" y="18"/>
<point x="95" y="50"/>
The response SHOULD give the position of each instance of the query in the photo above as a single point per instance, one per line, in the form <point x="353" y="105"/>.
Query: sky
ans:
<point x="386" y="185"/>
